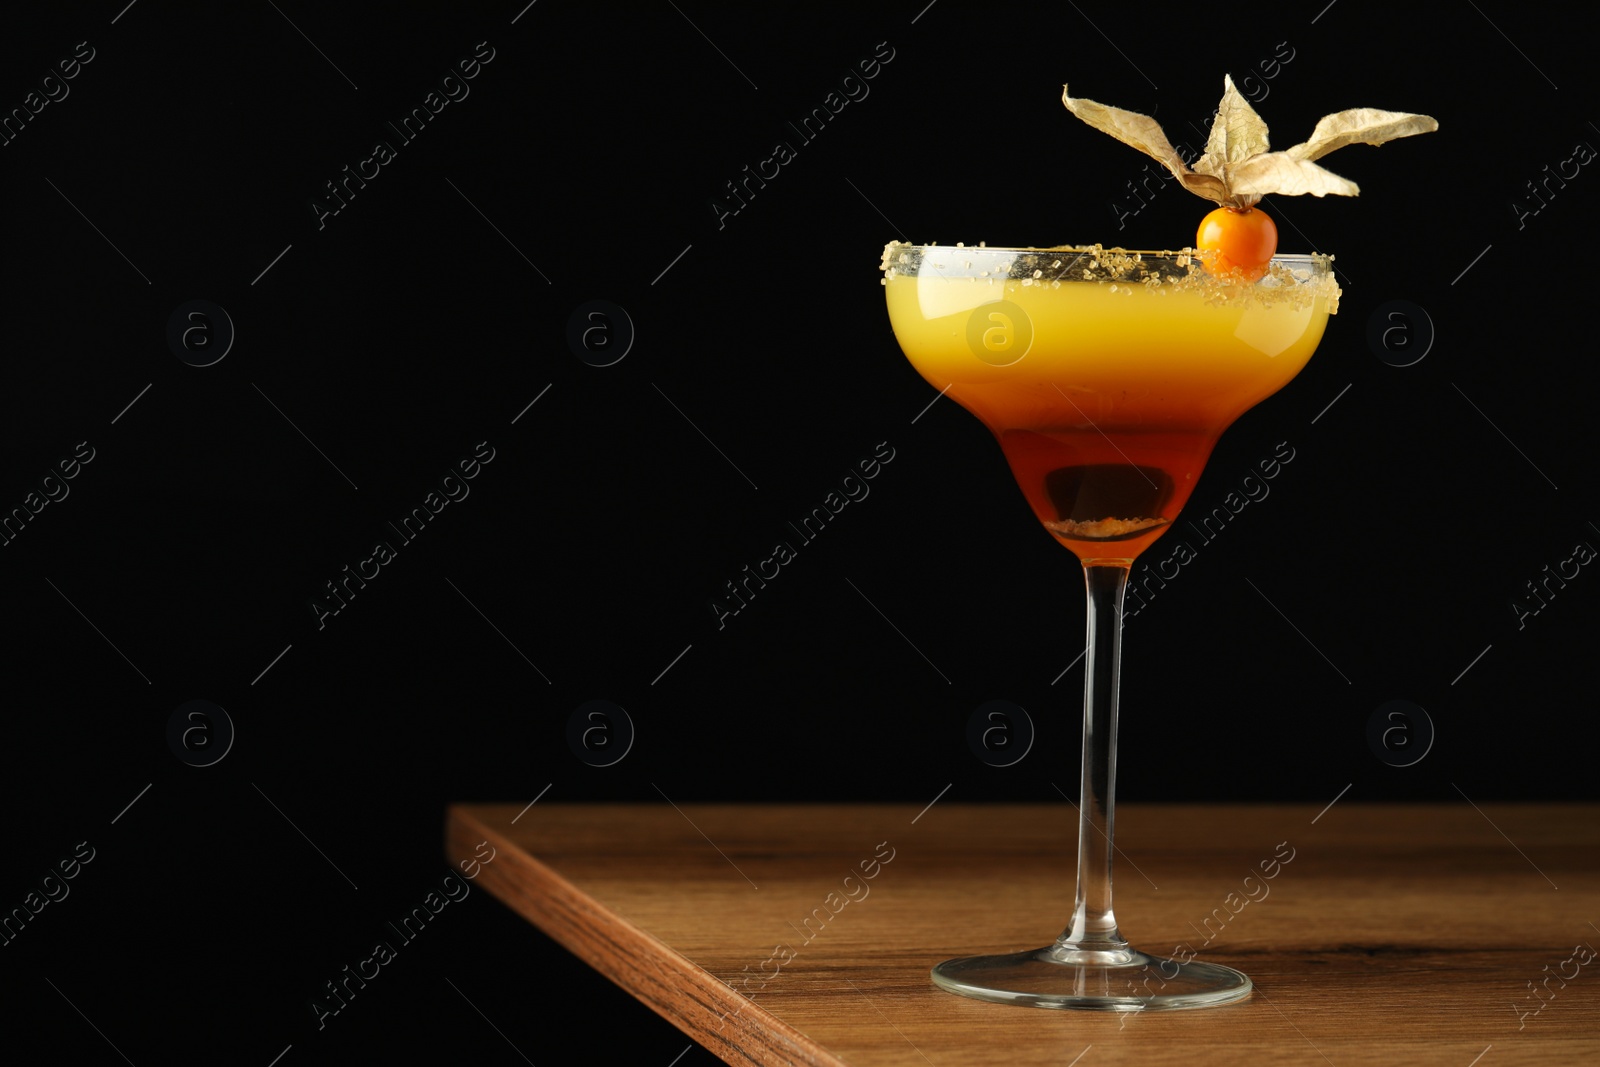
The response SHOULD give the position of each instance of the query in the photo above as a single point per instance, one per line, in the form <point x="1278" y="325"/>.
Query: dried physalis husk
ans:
<point x="1237" y="169"/>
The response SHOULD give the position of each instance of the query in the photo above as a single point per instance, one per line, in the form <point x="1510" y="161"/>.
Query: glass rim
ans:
<point x="1082" y="250"/>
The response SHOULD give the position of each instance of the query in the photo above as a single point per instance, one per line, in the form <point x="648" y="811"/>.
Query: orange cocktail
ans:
<point x="1107" y="376"/>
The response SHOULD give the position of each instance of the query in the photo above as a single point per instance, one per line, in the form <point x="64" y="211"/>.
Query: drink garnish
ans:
<point x="1237" y="168"/>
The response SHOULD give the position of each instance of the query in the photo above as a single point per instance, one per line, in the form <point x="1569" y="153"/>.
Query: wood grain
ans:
<point x="1394" y="934"/>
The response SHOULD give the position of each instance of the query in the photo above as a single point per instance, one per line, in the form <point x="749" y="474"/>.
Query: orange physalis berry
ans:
<point x="1233" y="241"/>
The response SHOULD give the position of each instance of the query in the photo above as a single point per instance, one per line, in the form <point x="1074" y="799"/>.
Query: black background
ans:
<point x="426" y="315"/>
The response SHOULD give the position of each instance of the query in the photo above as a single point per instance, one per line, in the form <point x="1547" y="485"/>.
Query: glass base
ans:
<point x="1121" y="980"/>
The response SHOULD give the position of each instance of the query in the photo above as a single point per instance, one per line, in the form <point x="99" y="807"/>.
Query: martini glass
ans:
<point x="1107" y="377"/>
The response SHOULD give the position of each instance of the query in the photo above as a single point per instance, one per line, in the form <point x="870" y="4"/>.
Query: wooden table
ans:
<point x="1391" y="935"/>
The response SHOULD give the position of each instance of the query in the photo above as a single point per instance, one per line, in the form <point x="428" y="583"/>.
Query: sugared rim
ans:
<point x="1083" y="250"/>
<point x="1291" y="277"/>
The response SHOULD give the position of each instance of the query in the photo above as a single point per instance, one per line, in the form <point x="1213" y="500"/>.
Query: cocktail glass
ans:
<point x="1107" y="376"/>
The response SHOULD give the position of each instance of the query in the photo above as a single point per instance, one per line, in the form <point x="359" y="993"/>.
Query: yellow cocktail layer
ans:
<point x="1131" y="356"/>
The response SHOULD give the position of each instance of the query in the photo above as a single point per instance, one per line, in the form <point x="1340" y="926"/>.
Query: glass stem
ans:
<point x="1093" y="934"/>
